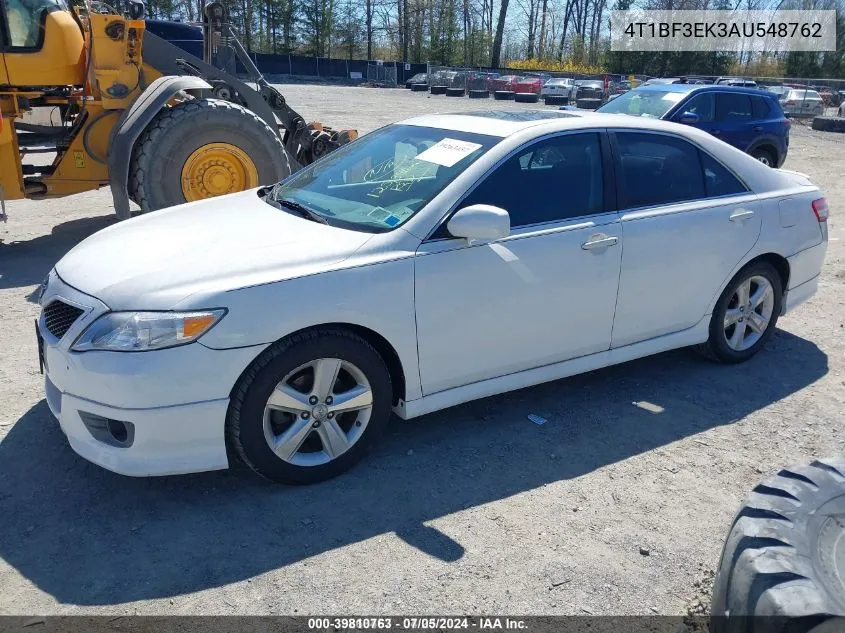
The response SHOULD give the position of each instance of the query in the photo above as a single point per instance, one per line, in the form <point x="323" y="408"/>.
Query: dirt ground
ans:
<point x="611" y="507"/>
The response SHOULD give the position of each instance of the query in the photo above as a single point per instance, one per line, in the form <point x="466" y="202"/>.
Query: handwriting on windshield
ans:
<point x="400" y="176"/>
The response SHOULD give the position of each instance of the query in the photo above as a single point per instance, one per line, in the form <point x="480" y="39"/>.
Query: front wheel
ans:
<point x="745" y="314"/>
<point x="309" y="407"/>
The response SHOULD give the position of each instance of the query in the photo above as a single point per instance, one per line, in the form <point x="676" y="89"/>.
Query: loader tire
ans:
<point x="782" y="567"/>
<point x="201" y="149"/>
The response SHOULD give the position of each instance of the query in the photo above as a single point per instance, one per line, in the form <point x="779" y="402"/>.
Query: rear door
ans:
<point x="734" y="119"/>
<point x="687" y="221"/>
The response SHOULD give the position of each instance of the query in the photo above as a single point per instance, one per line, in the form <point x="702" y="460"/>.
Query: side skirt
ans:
<point x="493" y="386"/>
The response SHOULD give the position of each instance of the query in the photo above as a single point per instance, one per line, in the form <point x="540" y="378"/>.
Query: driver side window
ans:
<point x="703" y="105"/>
<point x="551" y="180"/>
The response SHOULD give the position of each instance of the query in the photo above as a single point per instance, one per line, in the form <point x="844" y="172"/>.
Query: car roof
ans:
<point x="703" y="88"/>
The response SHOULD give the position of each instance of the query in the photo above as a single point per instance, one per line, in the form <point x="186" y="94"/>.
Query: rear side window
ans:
<point x="718" y="181"/>
<point x="733" y="107"/>
<point x="760" y="107"/>
<point x="657" y="169"/>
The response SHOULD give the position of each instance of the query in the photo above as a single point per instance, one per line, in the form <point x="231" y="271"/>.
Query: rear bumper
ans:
<point x="804" y="272"/>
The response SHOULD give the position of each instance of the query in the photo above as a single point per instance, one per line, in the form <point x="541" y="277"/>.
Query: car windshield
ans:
<point x="650" y="104"/>
<point x="378" y="182"/>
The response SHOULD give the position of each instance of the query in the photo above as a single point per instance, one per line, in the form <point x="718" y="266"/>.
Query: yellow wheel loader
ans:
<point x="133" y="111"/>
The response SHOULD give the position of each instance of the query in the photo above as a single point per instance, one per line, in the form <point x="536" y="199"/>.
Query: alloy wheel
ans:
<point x="318" y="412"/>
<point x="749" y="312"/>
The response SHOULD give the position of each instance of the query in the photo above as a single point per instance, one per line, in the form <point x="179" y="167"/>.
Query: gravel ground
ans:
<point x="608" y="508"/>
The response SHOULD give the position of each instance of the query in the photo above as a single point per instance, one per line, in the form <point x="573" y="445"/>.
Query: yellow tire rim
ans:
<point x="215" y="170"/>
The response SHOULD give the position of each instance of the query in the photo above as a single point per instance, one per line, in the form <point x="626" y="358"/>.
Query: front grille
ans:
<point x="59" y="316"/>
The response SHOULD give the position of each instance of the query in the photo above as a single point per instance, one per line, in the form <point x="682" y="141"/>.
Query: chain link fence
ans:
<point x="381" y="73"/>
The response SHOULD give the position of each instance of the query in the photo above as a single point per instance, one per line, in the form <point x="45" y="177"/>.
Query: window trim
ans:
<point x="608" y="182"/>
<point x="617" y="156"/>
<point x="681" y="107"/>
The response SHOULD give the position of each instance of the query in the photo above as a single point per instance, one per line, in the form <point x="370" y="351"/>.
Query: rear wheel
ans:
<point x="310" y="407"/>
<point x="765" y="156"/>
<point x="201" y="149"/>
<point x="745" y="315"/>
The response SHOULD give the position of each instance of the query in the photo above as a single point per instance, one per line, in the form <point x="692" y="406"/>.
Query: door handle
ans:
<point x="740" y="214"/>
<point x="600" y="240"/>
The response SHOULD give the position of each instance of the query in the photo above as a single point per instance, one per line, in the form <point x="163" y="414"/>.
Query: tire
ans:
<point x="455" y="92"/>
<point x="554" y="100"/>
<point x="245" y="421"/>
<point x="438" y="90"/>
<point x="523" y="97"/>
<point x="829" y="124"/>
<point x="765" y="156"/>
<point x="479" y="94"/>
<point x="501" y="95"/>
<point x="780" y="557"/>
<point x="588" y="103"/>
<point x="155" y="170"/>
<point x="419" y="87"/>
<point x="718" y="348"/>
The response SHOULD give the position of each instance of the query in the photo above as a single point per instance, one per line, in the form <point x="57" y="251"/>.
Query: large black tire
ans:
<point x="479" y="94"/>
<point x="717" y="348"/>
<point x="455" y="92"/>
<point x="829" y="124"/>
<point x="526" y="97"/>
<point x="245" y="418"/>
<point x="155" y="169"/>
<point x="419" y="87"/>
<point x="503" y="95"/>
<point x="555" y="100"/>
<point x="438" y="90"/>
<point x="783" y="562"/>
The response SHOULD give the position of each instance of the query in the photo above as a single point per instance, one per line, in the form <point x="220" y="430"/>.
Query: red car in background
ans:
<point x="502" y="87"/>
<point x="528" y="88"/>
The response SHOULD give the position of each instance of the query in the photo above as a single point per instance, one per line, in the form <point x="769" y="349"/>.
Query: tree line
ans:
<point x="492" y="33"/>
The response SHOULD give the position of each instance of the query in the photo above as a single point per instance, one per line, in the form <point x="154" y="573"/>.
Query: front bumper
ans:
<point x="173" y="400"/>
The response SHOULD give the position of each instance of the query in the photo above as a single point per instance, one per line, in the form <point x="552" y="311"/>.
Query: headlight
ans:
<point x="143" y="331"/>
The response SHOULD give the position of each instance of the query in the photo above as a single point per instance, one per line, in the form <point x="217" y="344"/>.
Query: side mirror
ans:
<point x="689" y="118"/>
<point x="480" y="222"/>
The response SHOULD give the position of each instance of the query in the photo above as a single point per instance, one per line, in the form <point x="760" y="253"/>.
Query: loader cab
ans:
<point x="41" y="44"/>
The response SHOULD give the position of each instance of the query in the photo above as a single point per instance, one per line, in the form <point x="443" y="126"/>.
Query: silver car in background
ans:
<point x="798" y="102"/>
<point x="558" y="89"/>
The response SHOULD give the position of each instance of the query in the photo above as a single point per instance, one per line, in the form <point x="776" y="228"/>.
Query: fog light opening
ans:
<point x="118" y="430"/>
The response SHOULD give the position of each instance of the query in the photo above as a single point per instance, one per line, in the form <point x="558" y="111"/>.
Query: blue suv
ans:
<point x="747" y="118"/>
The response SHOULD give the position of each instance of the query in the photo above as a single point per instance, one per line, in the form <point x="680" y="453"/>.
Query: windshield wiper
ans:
<point x="304" y="211"/>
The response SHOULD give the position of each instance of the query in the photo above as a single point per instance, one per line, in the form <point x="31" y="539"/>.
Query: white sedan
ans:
<point x="432" y="262"/>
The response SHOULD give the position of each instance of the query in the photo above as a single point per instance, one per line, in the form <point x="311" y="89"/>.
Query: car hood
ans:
<point x="157" y="260"/>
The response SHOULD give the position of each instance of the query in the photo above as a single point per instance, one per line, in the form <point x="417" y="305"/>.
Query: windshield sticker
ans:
<point x="391" y="220"/>
<point x="448" y="152"/>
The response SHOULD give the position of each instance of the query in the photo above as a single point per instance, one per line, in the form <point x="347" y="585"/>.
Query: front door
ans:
<point x="544" y="294"/>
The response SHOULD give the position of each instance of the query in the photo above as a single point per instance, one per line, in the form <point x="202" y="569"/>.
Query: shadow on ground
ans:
<point x="27" y="262"/>
<point x="90" y="537"/>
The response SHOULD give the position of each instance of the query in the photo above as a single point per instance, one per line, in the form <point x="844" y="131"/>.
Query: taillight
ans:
<point x="820" y="209"/>
<point x="787" y="123"/>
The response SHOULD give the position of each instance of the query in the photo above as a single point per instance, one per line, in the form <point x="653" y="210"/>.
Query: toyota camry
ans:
<point x="431" y="262"/>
